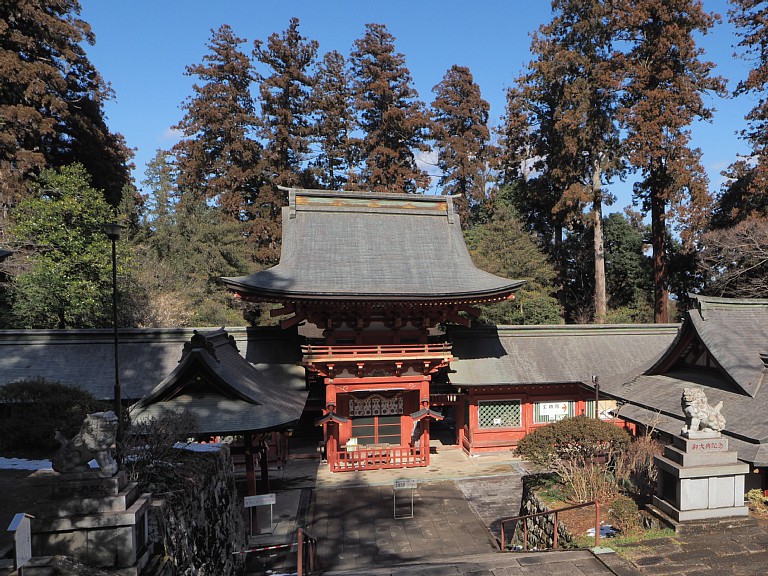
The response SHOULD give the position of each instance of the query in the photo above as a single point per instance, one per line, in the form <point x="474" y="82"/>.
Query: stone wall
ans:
<point x="196" y="529"/>
<point x="541" y="529"/>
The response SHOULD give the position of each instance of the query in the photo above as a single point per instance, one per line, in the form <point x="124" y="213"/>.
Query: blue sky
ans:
<point x="143" y="46"/>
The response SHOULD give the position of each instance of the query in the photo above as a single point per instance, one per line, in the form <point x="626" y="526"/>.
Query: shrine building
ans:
<point x="372" y="281"/>
<point x="376" y="275"/>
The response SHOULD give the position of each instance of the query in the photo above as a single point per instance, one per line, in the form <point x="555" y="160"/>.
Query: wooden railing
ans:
<point x="378" y="458"/>
<point x="306" y="554"/>
<point x="505" y="521"/>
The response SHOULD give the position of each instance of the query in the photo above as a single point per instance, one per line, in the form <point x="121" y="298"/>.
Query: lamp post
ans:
<point x="113" y="233"/>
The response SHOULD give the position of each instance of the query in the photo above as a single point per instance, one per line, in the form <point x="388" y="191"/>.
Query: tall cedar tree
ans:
<point x="461" y="134"/>
<point x="394" y="121"/>
<point x="218" y="158"/>
<point x="749" y="192"/>
<point x="529" y="188"/>
<point x="664" y="83"/>
<point x="335" y="122"/>
<point x="51" y="101"/>
<point x="285" y="102"/>
<point x="571" y="86"/>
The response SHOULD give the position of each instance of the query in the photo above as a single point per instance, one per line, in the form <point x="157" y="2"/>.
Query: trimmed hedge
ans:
<point x="572" y="438"/>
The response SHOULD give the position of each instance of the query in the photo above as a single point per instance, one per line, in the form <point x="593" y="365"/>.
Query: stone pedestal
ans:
<point x="101" y="522"/>
<point x="699" y="478"/>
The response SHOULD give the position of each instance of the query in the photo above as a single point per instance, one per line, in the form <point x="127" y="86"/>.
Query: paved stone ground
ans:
<point x="737" y="550"/>
<point x="493" y="498"/>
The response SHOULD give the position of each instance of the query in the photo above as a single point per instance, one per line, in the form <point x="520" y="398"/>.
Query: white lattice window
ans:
<point x="376" y="405"/>
<point x="499" y="414"/>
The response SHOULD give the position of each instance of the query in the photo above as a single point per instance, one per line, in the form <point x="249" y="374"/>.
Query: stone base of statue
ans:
<point x="700" y="479"/>
<point x="101" y="522"/>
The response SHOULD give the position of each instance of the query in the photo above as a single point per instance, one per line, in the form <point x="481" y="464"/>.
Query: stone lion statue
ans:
<point x="94" y="441"/>
<point x="699" y="415"/>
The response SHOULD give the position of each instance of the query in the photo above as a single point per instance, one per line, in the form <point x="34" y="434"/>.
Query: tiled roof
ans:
<point x="224" y="392"/>
<point x="357" y="245"/>
<point x="85" y="357"/>
<point x="517" y="355"/>
<point x="735" y="334"/>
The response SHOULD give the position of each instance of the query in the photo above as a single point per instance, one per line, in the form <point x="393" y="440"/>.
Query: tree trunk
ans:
<point x="597" y="215"/>
<point x="659" y="242"/>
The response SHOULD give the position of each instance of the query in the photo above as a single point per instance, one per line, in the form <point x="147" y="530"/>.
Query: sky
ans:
<point x="143" y="46"/>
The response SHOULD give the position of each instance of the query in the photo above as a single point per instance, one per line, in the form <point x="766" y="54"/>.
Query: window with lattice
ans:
<point x="499" y="414"/>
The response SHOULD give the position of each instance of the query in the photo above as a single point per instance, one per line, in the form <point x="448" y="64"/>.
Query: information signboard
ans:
<point x="22" y="537"/>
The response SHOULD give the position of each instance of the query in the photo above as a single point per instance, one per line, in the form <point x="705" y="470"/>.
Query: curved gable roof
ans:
<point x="734" y="333"/>
<point x="359" y="245"/>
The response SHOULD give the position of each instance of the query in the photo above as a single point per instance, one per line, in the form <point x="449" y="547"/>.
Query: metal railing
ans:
<point x="555" y="512"/>
<point x="306" y="553"/>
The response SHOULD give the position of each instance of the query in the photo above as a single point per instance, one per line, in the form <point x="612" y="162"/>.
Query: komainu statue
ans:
<point x="94" y="441"/>
<point x="700" y="417"/>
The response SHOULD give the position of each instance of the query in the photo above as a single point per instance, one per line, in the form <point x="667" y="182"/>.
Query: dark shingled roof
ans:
<point x="518" y="355"/>
<point x="85" y="358"/>
<point x="222" y="390"/>
<point x="735" y="333"/>
<point x="358" y="245"/>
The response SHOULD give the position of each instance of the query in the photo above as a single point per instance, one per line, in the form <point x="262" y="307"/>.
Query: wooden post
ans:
<point x="300" y="553"/>
<point x="250" y="481"/>
<point x="554" y="536"/>
<point x="264" y="461"/>
<point x="597" y="523"/>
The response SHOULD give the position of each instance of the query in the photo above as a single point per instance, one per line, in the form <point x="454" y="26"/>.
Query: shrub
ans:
<point x="32" y="410"/>
<point x="576" y="438"/>
<point x="625" y="514"/>
<point x="150" y="457"/>
<point x="757" y="500"/>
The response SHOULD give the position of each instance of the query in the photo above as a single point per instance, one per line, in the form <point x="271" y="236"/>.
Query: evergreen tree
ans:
<point x="285" y="102"/>
<point x="395" y="123"/>
<point x="664" y="82"/>
<point x="748" y="195"/>
<point x="335" y="123"/>
<point x="521" y="258"/>
<point x="461" y="134"/>
<point x="218" y="158"/>
<point x="570" y="87"/>
<point x="51" y="101"/>
<point x="185" y="248"/>
<point x="69" y="281"/>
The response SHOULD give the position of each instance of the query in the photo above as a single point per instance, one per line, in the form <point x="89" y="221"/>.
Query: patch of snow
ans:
<point x="606" y="531"/>
<point x="24" y="464"/>
<point x="197" y="447"/>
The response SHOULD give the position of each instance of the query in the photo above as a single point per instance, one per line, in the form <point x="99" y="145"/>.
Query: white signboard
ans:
<point x="22" y="536"/>
<point x="404" y="484"/>
<point x="259" y="500"/>
<point x="553" y="409"/>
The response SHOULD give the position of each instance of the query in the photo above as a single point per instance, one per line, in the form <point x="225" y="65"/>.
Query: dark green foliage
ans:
<point x="625" y="514"/>
<point x="68" y="282"/>
<point x="32" y="410"/>
<point x="501" y="246"/>
<point x="572" y="439"/>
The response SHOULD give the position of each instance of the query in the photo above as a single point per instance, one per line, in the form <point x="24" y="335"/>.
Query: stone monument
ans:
<point x="92" y="514"/>
<point x="699" y="478"/>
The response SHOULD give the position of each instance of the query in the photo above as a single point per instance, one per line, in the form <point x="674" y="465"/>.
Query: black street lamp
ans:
<point x="113" y="233"/>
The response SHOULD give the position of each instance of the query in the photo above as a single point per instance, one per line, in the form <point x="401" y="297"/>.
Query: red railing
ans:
<point x="378" y="458"/>
<point x="306" y="553"/>
<point x="505" y="521"/>
<point x="314" y="352"/>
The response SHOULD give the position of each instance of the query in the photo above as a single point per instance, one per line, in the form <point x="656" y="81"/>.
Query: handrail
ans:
<point x="596" y="503"/>
<point x="311" y="551"/>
